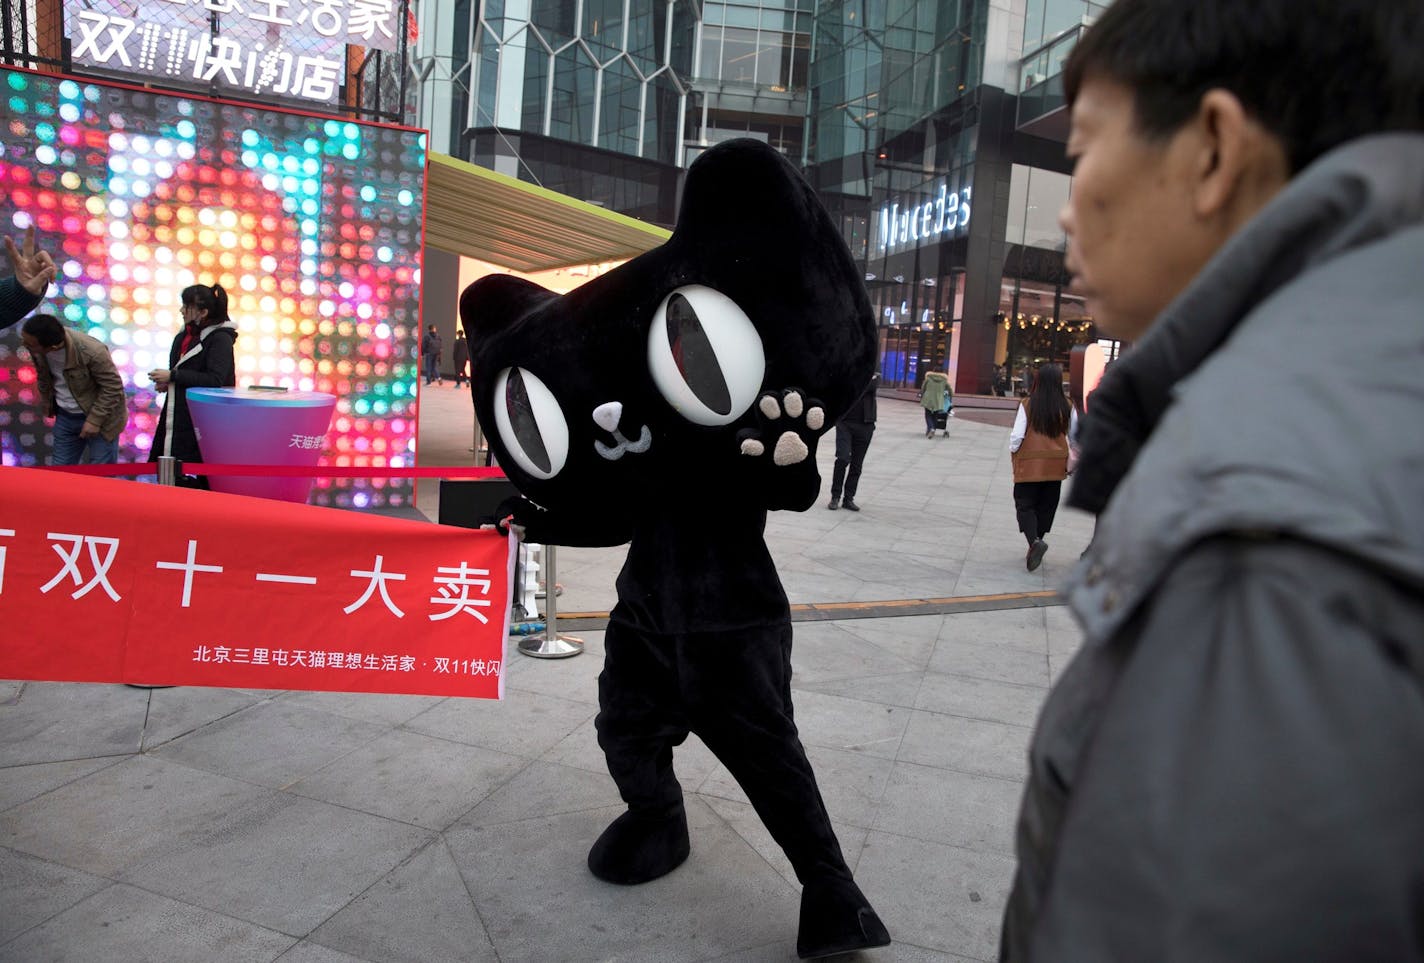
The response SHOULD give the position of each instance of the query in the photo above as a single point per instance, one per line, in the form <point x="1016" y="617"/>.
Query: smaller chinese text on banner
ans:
<point x="116" y="581"/>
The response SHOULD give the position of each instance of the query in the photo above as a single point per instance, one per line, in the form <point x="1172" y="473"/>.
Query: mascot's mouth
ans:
<point x="607" y="416"/>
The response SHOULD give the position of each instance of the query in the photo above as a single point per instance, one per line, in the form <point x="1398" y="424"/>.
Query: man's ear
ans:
<point x="1239" y="165"/>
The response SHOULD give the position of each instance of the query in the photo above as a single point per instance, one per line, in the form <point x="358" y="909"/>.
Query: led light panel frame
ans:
<point x="312" y="224"/>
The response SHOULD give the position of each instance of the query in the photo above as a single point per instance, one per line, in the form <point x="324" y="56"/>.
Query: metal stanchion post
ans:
<point x="167" y="475"/>
<point x="551" y="645"/>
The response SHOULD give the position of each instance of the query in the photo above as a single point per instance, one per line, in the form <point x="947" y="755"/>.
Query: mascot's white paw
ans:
<point x="790" y="449"/>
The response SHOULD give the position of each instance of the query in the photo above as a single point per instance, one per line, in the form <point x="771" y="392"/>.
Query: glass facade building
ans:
<point x="933" y="131"/>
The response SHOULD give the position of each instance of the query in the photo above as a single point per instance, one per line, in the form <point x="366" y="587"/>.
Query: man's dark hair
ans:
<point x="1314" y="74"/>
<point x="46" y="329"/>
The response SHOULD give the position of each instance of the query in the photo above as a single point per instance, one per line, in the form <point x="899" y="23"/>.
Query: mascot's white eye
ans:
<point x="705" y="356"/>
<point x="530" y="422"/>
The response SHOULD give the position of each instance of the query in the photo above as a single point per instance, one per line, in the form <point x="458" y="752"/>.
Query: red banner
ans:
<point x="119" y="581"/>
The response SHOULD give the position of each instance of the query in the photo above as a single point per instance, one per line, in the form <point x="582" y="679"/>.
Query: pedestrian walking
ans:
<point x="460" y="354"/>
<point x="937" y="398"/>
<point x="430" y="355"/>
<point x="1040" y="449"/>
<point x="853" y="433"/>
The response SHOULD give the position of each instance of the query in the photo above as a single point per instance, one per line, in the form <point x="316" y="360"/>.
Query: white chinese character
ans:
<point x="276" y="73"/>
<point x="92" y="25"/>
<point x="368" y="16"/>
<point x="296" y="442"/>
<point x="260" y="657"/>
<point x="299" y="657"/>
<point x="71" y="563"/>
<point x="371" y="661"/>
<point x="462" y="578"/>
<point x="492" y="667"/>
<point x="224" y="6"/>
<point x="4" y="533"/>
<point x="241" y="655"/>
<point x="225" y="57"/>
<point x="271" y="16"/>
<point x="188" y="568"/>
<point x="318" y="660"/>
<point x="279" y="656"/>
<point x="353" y="660"/>
<point x="388" y="663"/>
<point x="202" y="654"/>
<point x="316" y="78"/>
<point x="442" y="665"/>
<point x="325" y="19"/>
<point x="378" y="580"/>
<point x="477" y="667"/>
<point x="336" y="660"/>
<point x="221" y="653"/>
<point x="407" y="663"/>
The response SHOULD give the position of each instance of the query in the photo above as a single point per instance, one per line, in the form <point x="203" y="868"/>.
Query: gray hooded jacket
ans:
<point x="1233" y="766"/>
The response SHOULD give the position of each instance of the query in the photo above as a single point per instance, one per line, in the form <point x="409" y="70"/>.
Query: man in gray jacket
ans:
<point x="1232" y="768"/>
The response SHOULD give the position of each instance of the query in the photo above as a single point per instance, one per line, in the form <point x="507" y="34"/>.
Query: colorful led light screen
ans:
<point x="313" y="225"/>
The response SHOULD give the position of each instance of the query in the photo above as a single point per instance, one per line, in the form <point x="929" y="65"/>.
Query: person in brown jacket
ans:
<point x="1039" y="446"/>
<point x="80" y="389"/>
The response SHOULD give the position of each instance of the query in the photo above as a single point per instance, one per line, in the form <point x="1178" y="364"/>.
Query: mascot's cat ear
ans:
<point x="497" y="300"/>
<point x="743" y="192"/>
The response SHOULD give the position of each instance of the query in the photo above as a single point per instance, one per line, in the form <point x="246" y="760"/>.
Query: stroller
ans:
<point x="941" y="418"/>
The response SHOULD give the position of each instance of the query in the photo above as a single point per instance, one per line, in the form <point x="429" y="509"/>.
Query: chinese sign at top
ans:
<point x="273" y="48"/>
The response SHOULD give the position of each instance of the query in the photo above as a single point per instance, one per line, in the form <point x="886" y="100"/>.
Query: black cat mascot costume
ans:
<point x="671" y="403"/>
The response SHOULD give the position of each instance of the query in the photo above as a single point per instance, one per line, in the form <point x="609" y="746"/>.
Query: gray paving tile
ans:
<point x="273" y="743"/>
<point x="543" y="789"/>
<point x="412" y="778"/>
<point x="900" y="689"/>
<point x="19" y="784"/>
<point x="1024" y="628"/>
<point x="743" y="819"/>
<point x="308" y="952"/>
<point x="123" y="924"/>
<point x="52" y="721"/>
<point x="968" y="745"/>
<point x="851" y="784"/>
<point x="33" y="890"/>
<point x="524" y="724"/>
<point x="909" y="639"/>
<point x="420" y="912"/>
<point x="283" y="862"/>
<point x="390" y="710"/>
<point x="933" y="890"/>
<point x="838" y="722"/>
<point x="178" y="711"/>
<point x="950" y="807"/>
<point x="958" y="695"/>
<point x="124" y="814"/>
<point x="995" y="663"/>
<point x="540" y="903"/>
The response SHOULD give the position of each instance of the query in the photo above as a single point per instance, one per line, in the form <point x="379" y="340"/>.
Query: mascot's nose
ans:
<point x="608" y="414"/>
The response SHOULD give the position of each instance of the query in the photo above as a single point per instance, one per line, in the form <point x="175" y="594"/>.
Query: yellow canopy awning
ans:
<point x="482" y="214"/>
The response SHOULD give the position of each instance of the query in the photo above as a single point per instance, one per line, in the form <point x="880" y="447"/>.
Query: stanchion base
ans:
<point x="559" y="646"/>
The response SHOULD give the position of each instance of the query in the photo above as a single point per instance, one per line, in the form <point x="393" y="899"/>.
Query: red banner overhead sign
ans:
<point x="117" y="581"/>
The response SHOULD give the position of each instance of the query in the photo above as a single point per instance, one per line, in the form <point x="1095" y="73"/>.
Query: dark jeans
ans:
<point x="1036" y="503"/>
<point x="432" y="367"/>
<point x="71" y="449"/>
<point x="734" y="690"/>
<point x="852" y="442"/>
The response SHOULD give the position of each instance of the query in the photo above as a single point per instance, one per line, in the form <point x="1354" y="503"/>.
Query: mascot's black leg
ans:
<point x="637" y="728"/>
<point x="746" y="720"/>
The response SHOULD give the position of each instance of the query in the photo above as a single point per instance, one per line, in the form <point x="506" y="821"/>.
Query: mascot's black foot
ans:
<point x="837" y="918"/>
<point x="636" y="848"/>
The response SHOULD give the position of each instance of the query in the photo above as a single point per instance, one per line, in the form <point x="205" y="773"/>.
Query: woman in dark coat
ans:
<point x="201" y="357"/>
